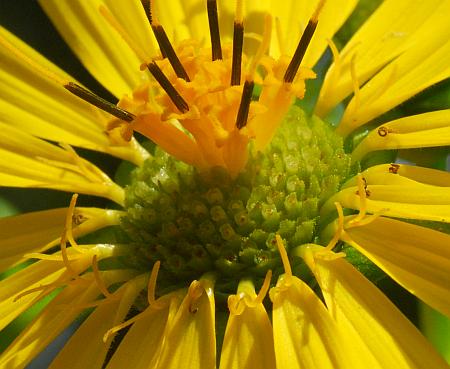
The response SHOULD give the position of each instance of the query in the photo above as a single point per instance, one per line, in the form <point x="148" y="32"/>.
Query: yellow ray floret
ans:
<point x="393" y="28"/>
<point x="380" y="334"/>
<point x="418" y="258"/>
<point x="26" y="161"/>
<point x="248" y="341"/>
<point x="56" y="316"/>
<point x="423" y="130"/>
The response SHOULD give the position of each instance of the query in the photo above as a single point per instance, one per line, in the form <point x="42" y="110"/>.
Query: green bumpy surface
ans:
<point x="196" y="223"/>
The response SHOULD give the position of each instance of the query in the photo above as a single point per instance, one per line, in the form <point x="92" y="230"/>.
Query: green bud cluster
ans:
<point x="208" y="222"/>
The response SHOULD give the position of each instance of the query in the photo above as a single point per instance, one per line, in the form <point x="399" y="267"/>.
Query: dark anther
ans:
<point x="244" y="107"/>
<point x="213" y="19"/>
<point x="302" y="46"/>
<point x="383" y="131"/>
<point x="100" y="103"/>
<point x="238" y="41"/>
<point x="394" y="168"/>
<point x="168" y="51"/>
<point x="176" y="98"/>
<point x="164" y="44"/>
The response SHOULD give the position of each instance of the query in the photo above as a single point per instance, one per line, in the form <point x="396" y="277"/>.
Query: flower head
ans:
<point x="246" y="222"/>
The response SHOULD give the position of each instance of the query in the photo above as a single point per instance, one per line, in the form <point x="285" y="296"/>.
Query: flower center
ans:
<point x="196" y="222"/>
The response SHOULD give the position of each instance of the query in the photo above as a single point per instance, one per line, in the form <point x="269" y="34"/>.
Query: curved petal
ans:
<point x="393" y="28"/>
<point x="33" y="103"/>
<point x="418" y="258"/>
<point x="75" y="353"/>
<point x="378" y="330"/>
<point x="423" y="130"/>
<point x="26" y="161"/>
<point x="55" y="317"/>
<point x="41" y="230"/>
<point x="293" y="16"/>
<point x="100" y="48"/>
<point x="191" y="338"/>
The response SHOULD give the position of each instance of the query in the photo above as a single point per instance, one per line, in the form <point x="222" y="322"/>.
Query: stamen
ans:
<point x="152" y="283"/>
<point x="244" y="106"/>
<point x="340" y="228"/>
<point x="99" y="102"/>
<point x="213" y="19"/>
<point x="264" y="288"/>
<point x="165" y="46"/>
<point x="362" y="185"/>
<point x="98" y="279"/>
<point x="303" y="44"/>
<point x="238" y="42"/>
<point x="69" y="223"/>
<point x="284" y="256"/>
<point x="165" y="84"/>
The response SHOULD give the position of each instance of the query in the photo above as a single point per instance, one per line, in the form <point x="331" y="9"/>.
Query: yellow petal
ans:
<point x="141" y="347"/>
<point x="26" y="161"/>
<point x="293" y="17"/>
<point x="412" y="72"/>
<point x="184" y="20"/>
<point x="418" y="258"/>
<point x="41" y="230"/>
<point x="39" y="274"/>
<point x="191" y="338"/>
<point x="248" y="341"/>
<point x="381" y="335"/>
<point x="305" y="336"/>
<point x="99" y="47"/>
<point x="394" y="27"/>
<point x="35" y="104"/>
<point x="55" y="317"/>
<point x="402" y="174"/>
<point x="76" y="353"/>
<point x="423" y="130"/>
<point x="410" y="202"/>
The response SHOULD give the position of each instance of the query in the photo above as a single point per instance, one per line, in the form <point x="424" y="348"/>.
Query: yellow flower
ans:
<point x="241" y="186"/>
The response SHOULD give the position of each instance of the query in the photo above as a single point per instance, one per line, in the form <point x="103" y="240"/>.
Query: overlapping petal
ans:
<point x="76" y="354"/>
<point x="26" y="161"/>
<point x="395" y="27"/>
<point x="423" y="130"/>
<point x="33" y="103"/>
<point x="41" y="230"/>
<point x="305" y="335"/>
<point x="56" y="316"/>
<point x="142" y="345"/>
<point x="382" y="336"/>
<point x="407" y="200"/>
<point x="293" y="16"/>
<point x="416" y="257"/>
<point x="248" y="341"/>
<point x="191" y="337"/>
<point x="100" y="48"/>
